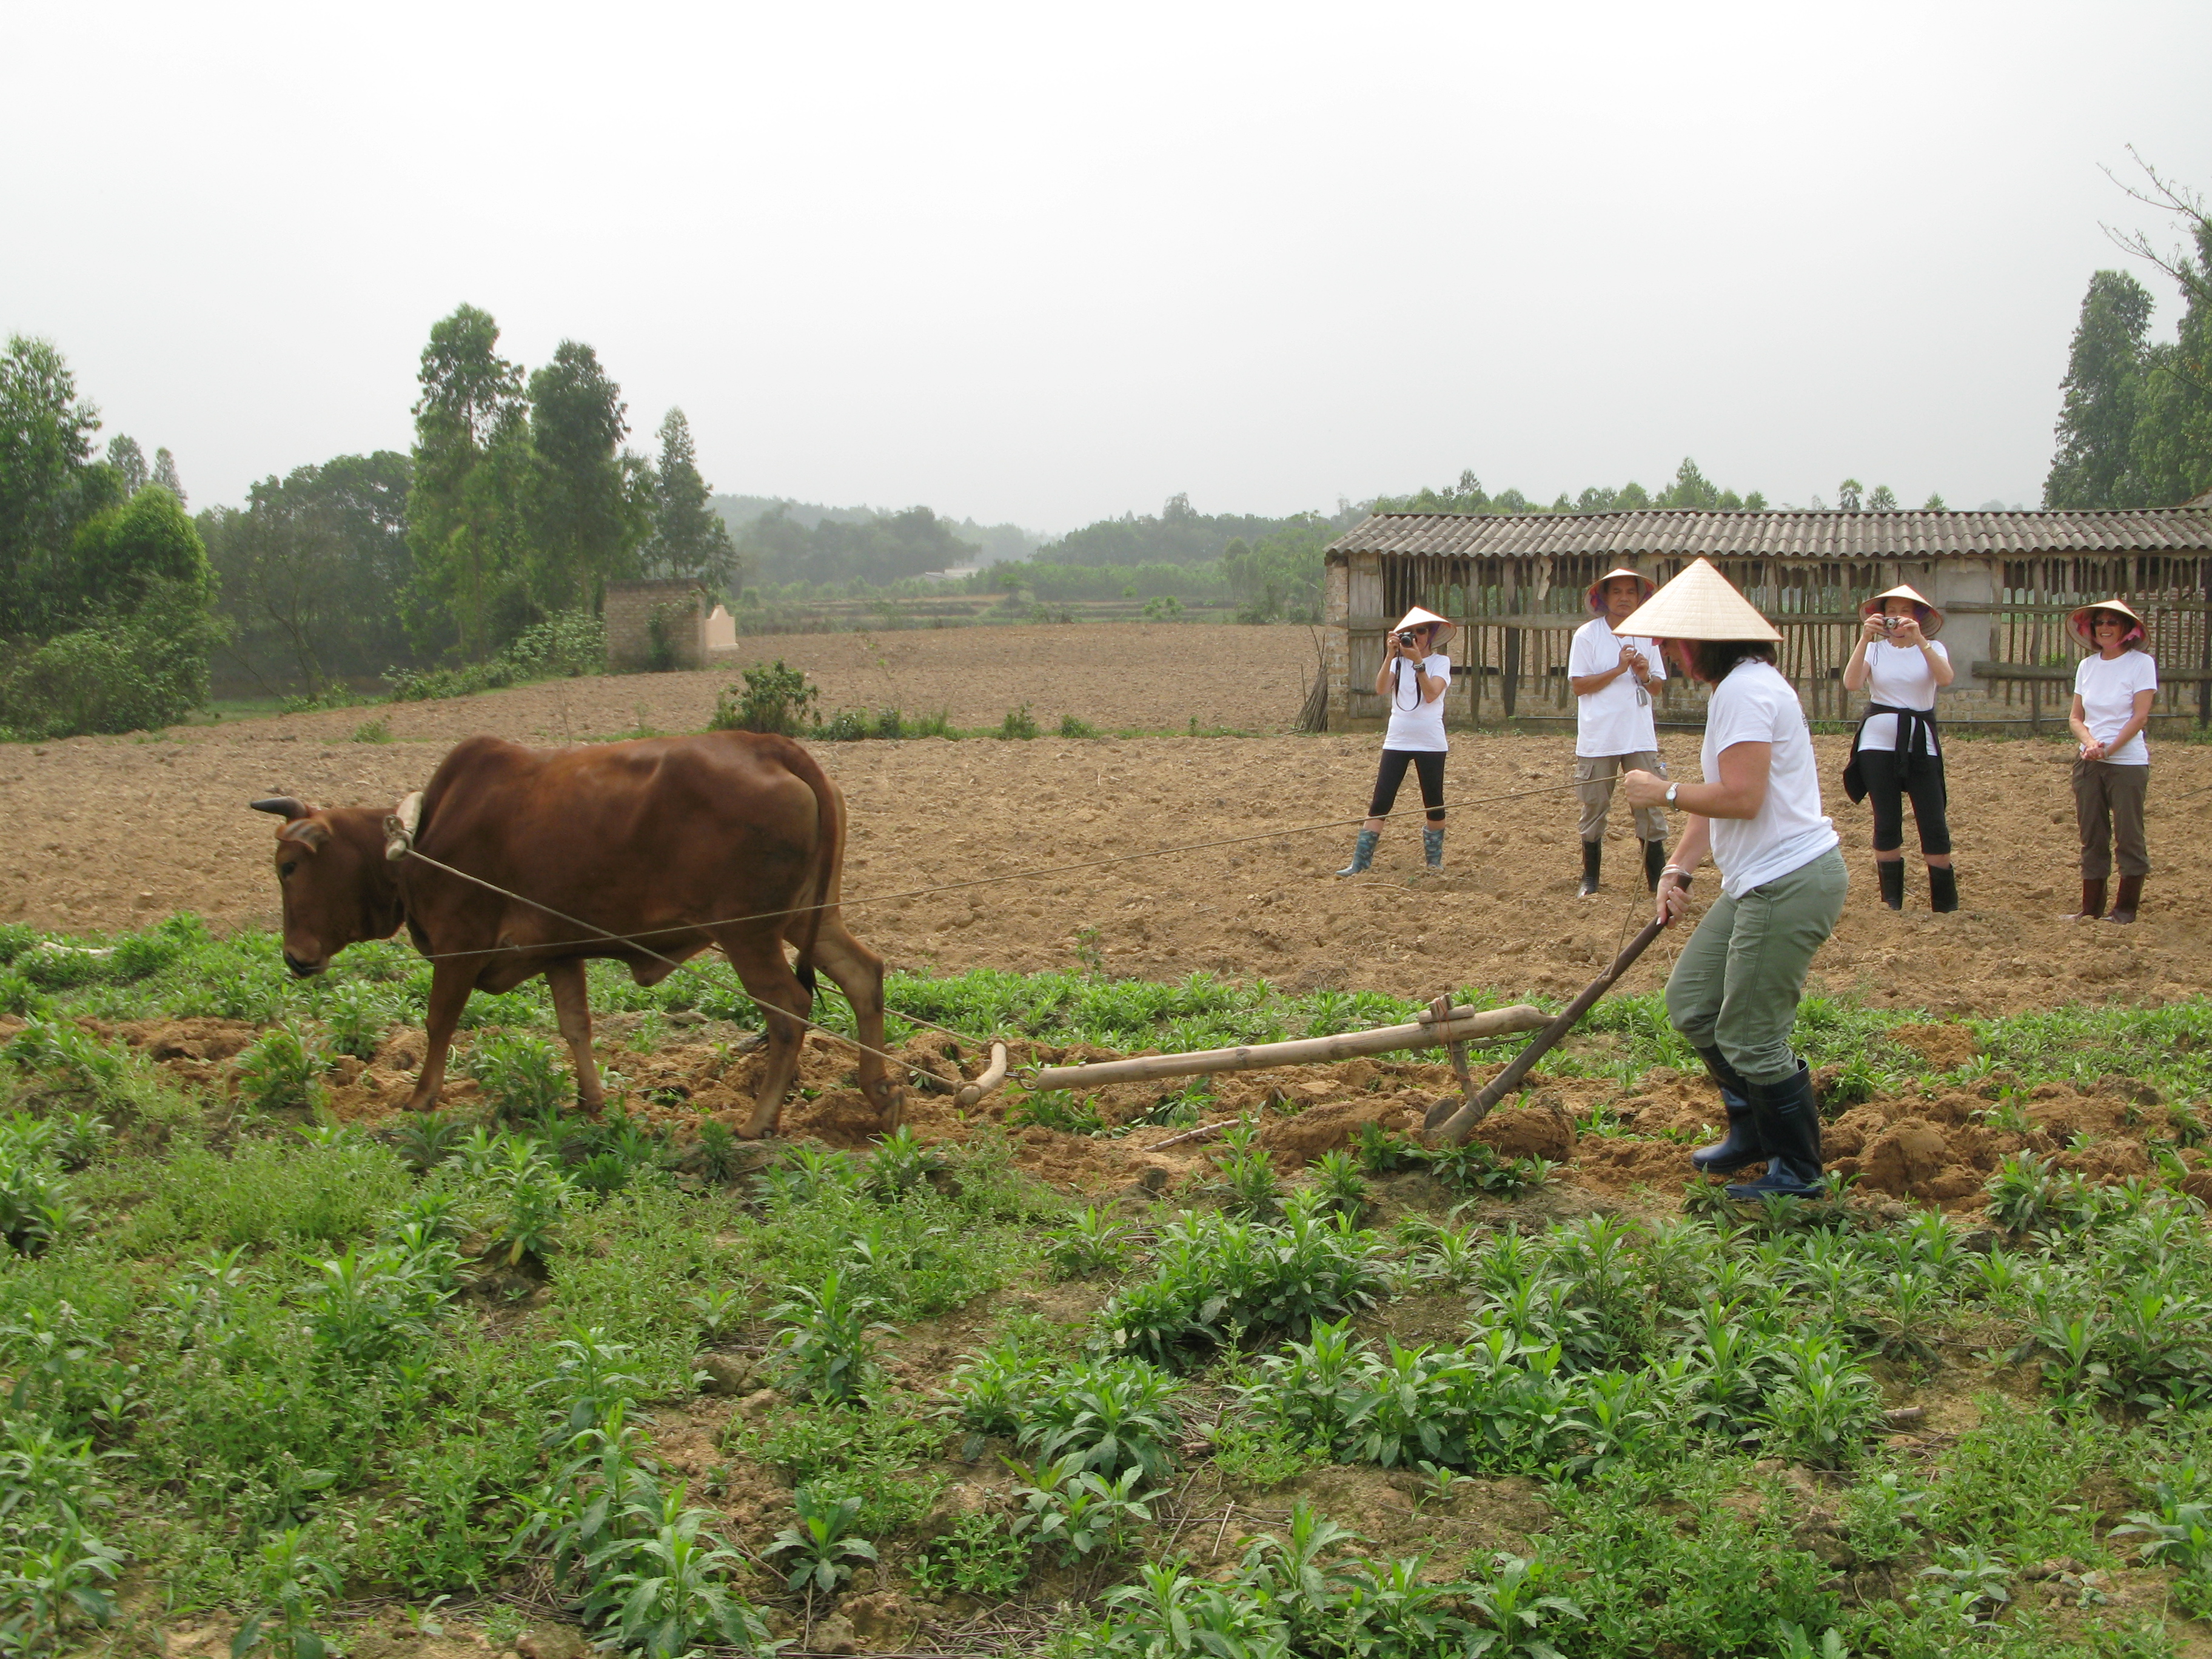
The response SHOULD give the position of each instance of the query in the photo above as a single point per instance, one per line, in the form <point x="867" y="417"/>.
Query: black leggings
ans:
<point x="1428" y="763"/>
<point x="1886" y="791"/>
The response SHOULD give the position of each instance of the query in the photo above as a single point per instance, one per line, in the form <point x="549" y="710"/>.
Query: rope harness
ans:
<point x="399" y="843"/>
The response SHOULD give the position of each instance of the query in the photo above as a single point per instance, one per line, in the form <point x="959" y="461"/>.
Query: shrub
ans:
<point x="1071" y="727"/>
<point x="776" y="699"/>
<point x="1018" y="723"/>
<point x="118" y="673"/>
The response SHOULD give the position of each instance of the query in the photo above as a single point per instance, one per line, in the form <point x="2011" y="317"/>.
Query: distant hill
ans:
<point x="1179" y="534"/>
<point x="994" y="543"/>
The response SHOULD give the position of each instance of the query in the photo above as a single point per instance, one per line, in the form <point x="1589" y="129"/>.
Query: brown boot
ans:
<point x="2124" y="902"/>
<point x="2092" y="901"/>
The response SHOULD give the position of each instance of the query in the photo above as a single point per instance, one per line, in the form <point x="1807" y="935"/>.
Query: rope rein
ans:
<point x="953" y="886"/>
<point x="402" y="845"/>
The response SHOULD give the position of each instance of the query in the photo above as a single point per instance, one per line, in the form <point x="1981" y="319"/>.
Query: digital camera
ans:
<point x="1408" y="637"/>
<point x="1890" y="624"/>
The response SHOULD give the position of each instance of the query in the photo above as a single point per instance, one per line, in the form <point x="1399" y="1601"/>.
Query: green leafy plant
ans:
<point x="1071" y="727"/>
<point x="1092" y="1242"/>
<point x="982" y="1556"/>
<point x="1338" y="1180"/>
<point x="900" y="1163"/>
<point x="827" y="1348"/>
<point x="1105" y="1418"/>
<point x="426" y="1139"/>
<point x="1020" y="723"/>
<point x="290" y="1586"/>
<point x="282" y="1071"/>
<point x="1246" y="1176"/>
<point x="1058" y="1108"/>
<point x="1078" y="1510"/>
<point x="775" y="700"/>
<point x="824" y="1553"/>
<point x="520" y="1074"/>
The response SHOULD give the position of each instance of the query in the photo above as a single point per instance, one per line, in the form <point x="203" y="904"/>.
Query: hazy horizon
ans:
<point x="1041" y="268"/>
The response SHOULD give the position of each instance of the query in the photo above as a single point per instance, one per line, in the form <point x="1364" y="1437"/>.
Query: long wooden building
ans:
<point x="1515" y="583"/>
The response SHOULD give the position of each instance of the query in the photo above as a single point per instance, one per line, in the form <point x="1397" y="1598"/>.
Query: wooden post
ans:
<point x="1511" y="673"/>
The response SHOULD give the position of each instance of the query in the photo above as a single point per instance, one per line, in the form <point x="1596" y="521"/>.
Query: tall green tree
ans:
<point x="129" y="462"/>
<point x="313" y="572"/>
<point x="462" y="527"/>
<point x="588" y="505"/>
<point x="689" y="537"/>
<point x="164" y="474"/>
<point x="2104" y="390"/>
<point x="49" y="482"/>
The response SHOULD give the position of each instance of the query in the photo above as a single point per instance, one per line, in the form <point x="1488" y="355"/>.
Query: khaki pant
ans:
<point x="1736" y="985"/>
<point x="2108" y="807"/>
<point x="1595" y="776"/>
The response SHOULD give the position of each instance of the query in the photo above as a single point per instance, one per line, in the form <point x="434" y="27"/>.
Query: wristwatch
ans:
<point x="1671" y="789"/>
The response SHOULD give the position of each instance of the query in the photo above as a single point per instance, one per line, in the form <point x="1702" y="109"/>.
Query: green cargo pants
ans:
<point x="1736" y="984"/>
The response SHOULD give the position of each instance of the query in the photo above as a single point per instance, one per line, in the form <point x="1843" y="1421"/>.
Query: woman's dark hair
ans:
<point x="1710" y="660"/>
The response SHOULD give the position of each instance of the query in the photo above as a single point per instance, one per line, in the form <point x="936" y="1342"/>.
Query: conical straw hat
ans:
<point x="2078" y="623"/>
<point x="1597" y="595"/>
<point x="1931" y="619"/>
<point x="1700" y="603"/>
<point x="1416" y="617"/>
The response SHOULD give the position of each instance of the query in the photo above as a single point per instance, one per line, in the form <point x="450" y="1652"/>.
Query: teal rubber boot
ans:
<point x="1362" y="854"/>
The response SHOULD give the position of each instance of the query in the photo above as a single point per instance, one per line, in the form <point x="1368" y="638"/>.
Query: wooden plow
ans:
<point x="1451" y="1121"/>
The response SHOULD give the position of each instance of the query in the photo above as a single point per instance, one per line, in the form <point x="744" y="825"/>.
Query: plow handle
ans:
<point x="1456" y="1128"/>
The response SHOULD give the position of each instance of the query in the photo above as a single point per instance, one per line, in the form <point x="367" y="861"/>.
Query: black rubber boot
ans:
<point x="1655" y="863"/>
<point x="1891" y="873"/>
<point x="2093" y="900"/>
<point x="1740" y="1147"/>
<point x="1432" y="846"/>
<point x="1362" y="854"/>
<point x="1942" y="887"/>
<point x="2127" y="901"/>
<point x="1789" y="1122"/>
<point x="1593" y="856"/>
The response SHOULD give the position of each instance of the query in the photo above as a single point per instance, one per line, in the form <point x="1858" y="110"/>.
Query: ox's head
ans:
<point x="339" y="889"/>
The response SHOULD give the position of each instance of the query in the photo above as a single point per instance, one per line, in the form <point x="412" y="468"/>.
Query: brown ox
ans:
<point x="662" y="840"/>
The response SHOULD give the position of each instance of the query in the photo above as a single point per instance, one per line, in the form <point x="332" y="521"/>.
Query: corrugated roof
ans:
<point x="1687" y="533"/>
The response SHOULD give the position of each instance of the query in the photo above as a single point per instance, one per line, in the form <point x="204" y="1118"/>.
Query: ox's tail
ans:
<point x="829" y="858"/>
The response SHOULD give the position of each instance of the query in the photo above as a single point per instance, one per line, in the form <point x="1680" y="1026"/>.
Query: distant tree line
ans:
<point x="517" y="505"/>
<point x="105" y="589"/>
<point x="2134" y="428"/>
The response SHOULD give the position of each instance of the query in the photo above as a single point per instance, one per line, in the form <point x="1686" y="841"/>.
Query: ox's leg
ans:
<point x="450" y="985"/>
<point x="766" y="977"/>
<point x="565" y="979"/>
<point x="859" y="972"/>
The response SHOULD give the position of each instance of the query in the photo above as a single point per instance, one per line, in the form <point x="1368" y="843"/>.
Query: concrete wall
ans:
<point x="631" y="610"/>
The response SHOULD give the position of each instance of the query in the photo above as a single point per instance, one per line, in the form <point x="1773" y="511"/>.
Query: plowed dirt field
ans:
<point x="112" y="832"/>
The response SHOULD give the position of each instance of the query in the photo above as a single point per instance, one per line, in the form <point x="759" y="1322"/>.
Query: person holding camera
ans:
<point x="1900" y="667"/>
<point x="1413" y="677"/>
<point x="1736" y="986"/>
<point x="1612" y="679"/>
<point x="2114" y="687"/>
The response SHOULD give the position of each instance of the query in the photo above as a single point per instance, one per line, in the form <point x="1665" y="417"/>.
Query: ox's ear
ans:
<point x="286" y="807"/>
<point x="310" y="833"/>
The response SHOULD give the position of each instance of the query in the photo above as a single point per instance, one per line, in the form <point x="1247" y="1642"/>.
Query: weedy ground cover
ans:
<point x="282" y="1371"/>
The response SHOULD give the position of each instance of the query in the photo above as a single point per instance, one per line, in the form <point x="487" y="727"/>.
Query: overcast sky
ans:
<point x="1047" y="264"/>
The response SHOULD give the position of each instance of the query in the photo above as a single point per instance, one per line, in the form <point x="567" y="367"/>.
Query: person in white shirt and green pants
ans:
<point x="1736" y="985"/>
<point x="2113" y="690"/>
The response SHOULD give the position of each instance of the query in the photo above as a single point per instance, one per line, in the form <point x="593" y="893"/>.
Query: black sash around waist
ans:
<point x="1915" y="744"/>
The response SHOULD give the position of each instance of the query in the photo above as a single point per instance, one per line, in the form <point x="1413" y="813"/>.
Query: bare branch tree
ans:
<point x="2166" y="196"/>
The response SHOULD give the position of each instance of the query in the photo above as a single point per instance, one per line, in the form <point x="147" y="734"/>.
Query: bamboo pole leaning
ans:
<point x="1460" y="1025"/>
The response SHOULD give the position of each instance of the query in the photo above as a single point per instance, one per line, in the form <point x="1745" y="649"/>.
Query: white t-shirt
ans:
<point x="2108" y="690"/>
<point x="1902" y="678"/>
<point x="1421" y="726"/>
<point x="1615" y="719"/>
<point x="1755" y="704"/>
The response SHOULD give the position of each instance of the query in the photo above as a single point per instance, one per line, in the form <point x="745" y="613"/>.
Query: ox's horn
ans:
<point x="286" y="807"/>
